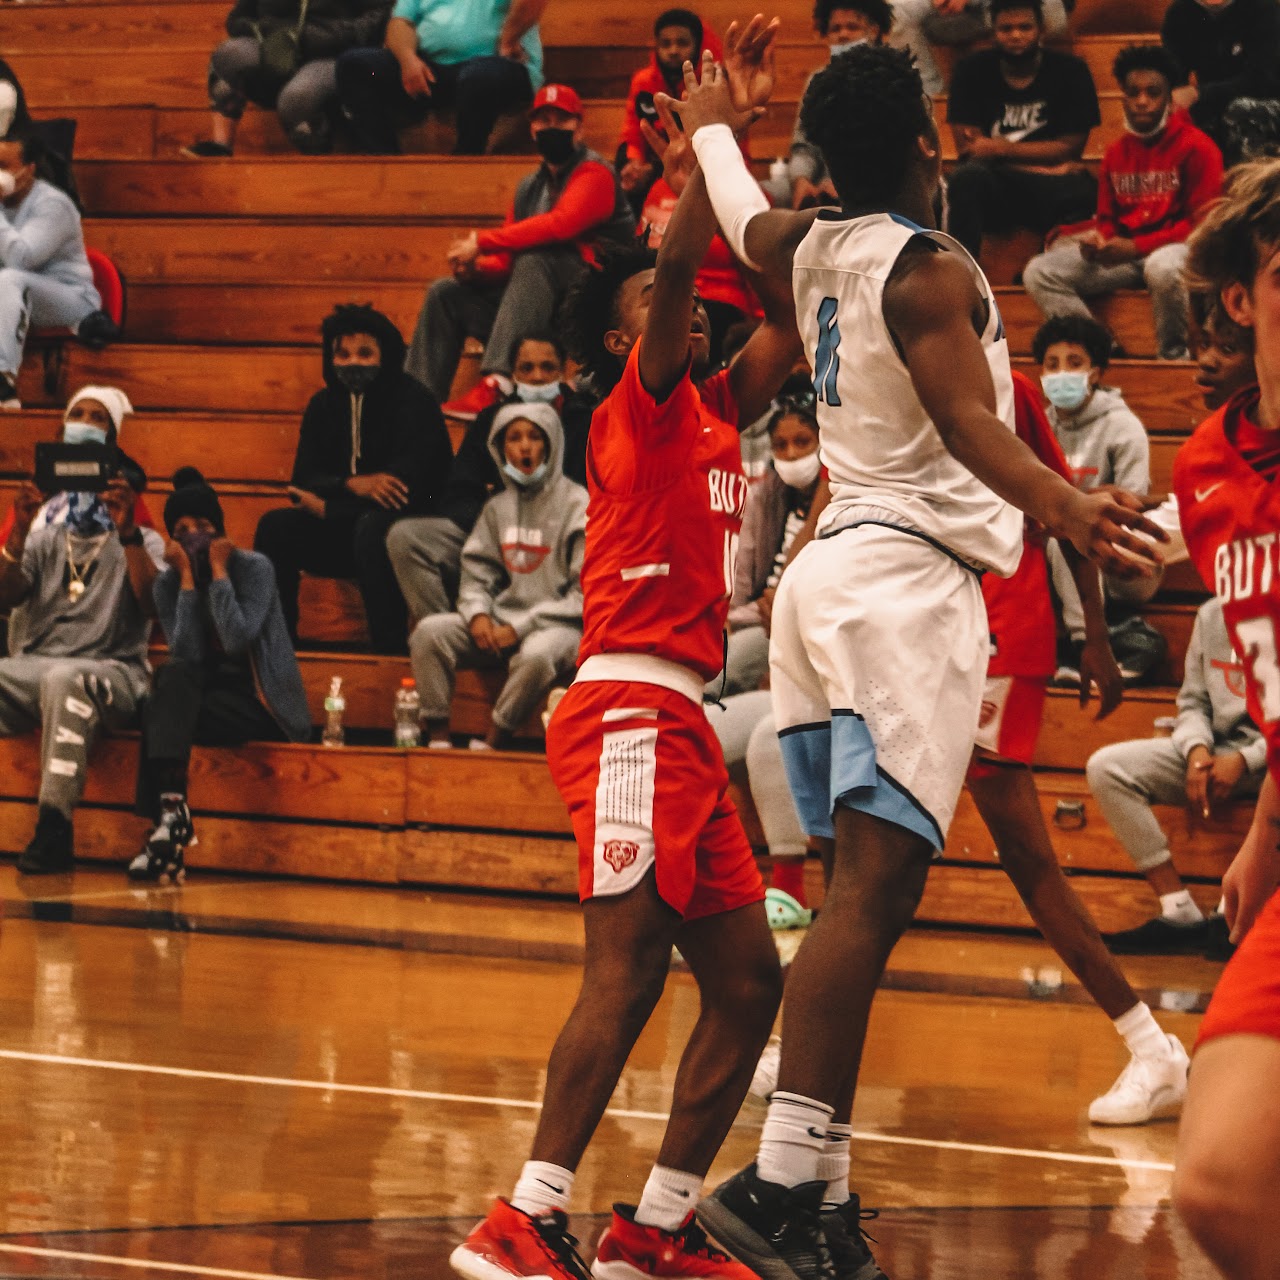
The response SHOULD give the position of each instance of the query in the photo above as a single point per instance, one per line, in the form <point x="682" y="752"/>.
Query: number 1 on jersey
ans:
<point x="826" y="361"/>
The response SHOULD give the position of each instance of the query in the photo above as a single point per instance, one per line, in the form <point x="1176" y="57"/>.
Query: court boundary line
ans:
<point x="525" y="1104"/>
<point x="140" y="1264"/>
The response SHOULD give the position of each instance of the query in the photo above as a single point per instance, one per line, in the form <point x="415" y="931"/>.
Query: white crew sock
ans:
<point x="541" y="1187"/>
<point x="795" y="1131"/>
<point x="668" y="1199"/>
<point x="1141" y="1032"/>
<point x="1180" y="908"/>
<point x="833" y="1165"/>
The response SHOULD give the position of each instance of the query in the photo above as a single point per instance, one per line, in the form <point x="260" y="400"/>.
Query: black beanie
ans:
<point x="192" y="496"/>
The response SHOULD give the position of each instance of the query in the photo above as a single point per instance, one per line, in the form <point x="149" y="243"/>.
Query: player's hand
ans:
<point x="416" y="77"/>
<point x="1250" y="881"/>
<point x="749" y="62"/>
<point x="1199" y="764"/>
<point x="707" y="100"/>
<point x="670" y="144"/>
<point x="1118" y="250"/>
<point x="1098" y="667"/>
<point x="482" y="634"/>
<point x="26" y="504"/>
<point x="1108" y="527"/>
<point x="1225" y="772"/>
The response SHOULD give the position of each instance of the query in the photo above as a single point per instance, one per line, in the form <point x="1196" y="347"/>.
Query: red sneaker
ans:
<point x="628" y="1251"/>
<point x="510" y="1243"/>
<point x="492" y="388"/>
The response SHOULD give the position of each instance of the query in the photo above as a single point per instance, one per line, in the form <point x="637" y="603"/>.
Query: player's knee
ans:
<point x="1222" y="1210"/>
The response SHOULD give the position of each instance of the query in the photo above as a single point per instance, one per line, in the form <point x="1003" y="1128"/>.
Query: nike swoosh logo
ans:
<point x="820" y="1134"/>
<point x="558" y="1190"/>
<point x="684" y="1195"/>
<point x="1203" y="494"/>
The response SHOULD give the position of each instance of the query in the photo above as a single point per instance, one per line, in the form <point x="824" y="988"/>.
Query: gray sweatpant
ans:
<point x="1127" y="778"/>
<point x="746" y="661"/>
<point x="745" y="727"/>
<point x="305" y="100"/>
<point x="1133" y="591"/>
<point x="440" y="641"/>
<point x="1061" y="279"/>
<point x="69" y="699"/>
<point x="31" y="299"/>
<point x="499" y="314"/>
<point x="426" y="555"/>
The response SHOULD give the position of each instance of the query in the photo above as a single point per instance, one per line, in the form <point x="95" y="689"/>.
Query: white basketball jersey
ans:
<point x="885" y="458"/>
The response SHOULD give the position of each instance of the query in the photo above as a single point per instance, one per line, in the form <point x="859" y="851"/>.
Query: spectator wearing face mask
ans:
<point x="78" y="661"/>
<point x="45" y="277"/>
<point x="509" y="281"/>
<point x="426" y="552"/>
<point x="777" y="508"/>
<point x="520" y="599"/>
<point x="1155" y="183"/>
<point x="227" y="640"/>
<point x="13" y="102"/>
<point x="372" y="450"/>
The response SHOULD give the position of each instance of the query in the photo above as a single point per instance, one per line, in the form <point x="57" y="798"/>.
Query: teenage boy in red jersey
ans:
<point x="663" y="857"/>
<point x="1229" y="502"/>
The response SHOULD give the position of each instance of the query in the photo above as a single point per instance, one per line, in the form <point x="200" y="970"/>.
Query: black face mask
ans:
<point x="196" y="545"/>
<point x="555" y="145"/>
<point x="357" y="378"/>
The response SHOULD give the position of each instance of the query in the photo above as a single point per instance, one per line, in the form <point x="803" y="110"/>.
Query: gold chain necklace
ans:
<point x="76" y="572"/>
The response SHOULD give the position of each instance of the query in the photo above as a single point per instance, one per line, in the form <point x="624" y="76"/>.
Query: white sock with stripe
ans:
<point x="668" y="1199"/>
<point x="833" y="1165"/>
<point x="795" y="1131"/>
<point x="542" y="1187"/>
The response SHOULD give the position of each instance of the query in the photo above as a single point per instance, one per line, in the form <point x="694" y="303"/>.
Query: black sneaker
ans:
<point x="98" y="330"/>
<point x="848" y="1241"/>
<point x="206" y="149"/>
<point x="1217" y="938"/>
<point x="52" y="846"/>
<point x="162" y="858"/>
<point x="774" y="1230"/>
<point x="1160" y="937"/>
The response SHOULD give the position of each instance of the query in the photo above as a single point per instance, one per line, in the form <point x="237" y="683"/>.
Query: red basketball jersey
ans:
<point x="667" y="497"/>
<point x="1020" y="608"/>
<point x="1231" y="521"/>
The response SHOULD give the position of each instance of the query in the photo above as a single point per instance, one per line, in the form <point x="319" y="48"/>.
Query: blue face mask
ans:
<point x="1066" y="391"/>
<point x="537" y="392"/>
<point x="838" y="49"/>
<point x="536" y="476"/>
<point x="82" y="433"/>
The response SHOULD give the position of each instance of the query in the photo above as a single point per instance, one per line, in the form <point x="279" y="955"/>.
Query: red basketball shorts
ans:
<point x="1009" y="726"/>
<point x="1247" y="999"/>
<point x="644" y="778"/>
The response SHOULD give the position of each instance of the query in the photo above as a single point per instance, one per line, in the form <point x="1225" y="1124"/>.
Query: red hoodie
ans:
<point x="1154" y="192"/>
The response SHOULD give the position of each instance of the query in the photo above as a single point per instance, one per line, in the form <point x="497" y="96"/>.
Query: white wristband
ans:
<point x="735" y="195"/>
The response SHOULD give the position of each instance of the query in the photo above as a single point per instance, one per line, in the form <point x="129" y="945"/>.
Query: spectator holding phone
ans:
<point x="372" y="450"/>
<point x="78" y="663"/>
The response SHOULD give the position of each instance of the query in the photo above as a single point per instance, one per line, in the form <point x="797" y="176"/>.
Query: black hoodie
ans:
<point x="396" y="426"/>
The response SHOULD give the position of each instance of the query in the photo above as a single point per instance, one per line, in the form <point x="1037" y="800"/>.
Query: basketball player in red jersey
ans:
<point x="1225" y="479"/>
<point x="663" y="857"/>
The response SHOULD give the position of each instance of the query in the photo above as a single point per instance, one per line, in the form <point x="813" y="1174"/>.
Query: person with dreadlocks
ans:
<point x="662" y="854"/>
<point x="879" y="649"/>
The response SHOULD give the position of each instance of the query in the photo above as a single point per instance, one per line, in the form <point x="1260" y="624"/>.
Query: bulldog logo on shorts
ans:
<point x="989" y="712"/>
<point x="620" y="853"/>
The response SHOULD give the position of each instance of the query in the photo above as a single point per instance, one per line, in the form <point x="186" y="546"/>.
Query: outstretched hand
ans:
<point x="709" y="100"/>
<point x="670" y="144"/>
<point x="1108" y="527"/>
<point x="749" y="61"/>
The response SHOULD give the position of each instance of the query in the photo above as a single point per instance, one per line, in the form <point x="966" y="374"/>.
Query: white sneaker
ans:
<point x="1146" y="1090"/>
<point x="479" y="744"/>
<point x="440" y="744"/>
<point x="765" y="1080"/>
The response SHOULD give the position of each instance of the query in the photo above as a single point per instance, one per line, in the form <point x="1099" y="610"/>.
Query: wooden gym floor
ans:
<point x="254" y="1078"/>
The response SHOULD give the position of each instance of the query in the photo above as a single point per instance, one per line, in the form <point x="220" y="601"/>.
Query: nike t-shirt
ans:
<point x="1060" y="101"/>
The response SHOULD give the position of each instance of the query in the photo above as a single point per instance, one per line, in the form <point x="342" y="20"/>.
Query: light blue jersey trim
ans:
<point x="833" y="762"/>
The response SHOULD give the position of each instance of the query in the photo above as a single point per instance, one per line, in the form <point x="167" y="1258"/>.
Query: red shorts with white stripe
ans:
<point x="1012" y="708"/>
<point x="1246" y="1001"/>
<point x="644" y="778"/>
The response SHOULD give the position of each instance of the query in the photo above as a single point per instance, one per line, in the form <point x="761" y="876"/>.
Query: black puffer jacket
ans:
<point x="333" y="26"/>
<point x="396" y="426"/>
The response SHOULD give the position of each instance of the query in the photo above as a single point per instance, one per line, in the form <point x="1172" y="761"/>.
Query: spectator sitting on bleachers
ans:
<point x="1214" y="754"/>
<point x="508" y="281"/>
<point x="227" y="639"/>
<point x="426" y="552"/>
<point x="478" y="58"/>
<point x="1225" y="50"/>
<point x="841" y="24"/>
<point x="1020" y="115"/>
<point x="80" y="662"/>
<point x="777" y="508"/>
<point x="1156" y="181"/>
<point x="520" y="600"/>
<point x="303" y="89"/>
<point x="678" y="37"/>
<point x="918" y="24"/>
<point x="45" y="276"/>
<point x="373" y="448"/>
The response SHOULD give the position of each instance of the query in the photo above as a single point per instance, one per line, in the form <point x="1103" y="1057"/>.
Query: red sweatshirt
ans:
<point x="650" y="80"/>
<point x="1154" y="192"/>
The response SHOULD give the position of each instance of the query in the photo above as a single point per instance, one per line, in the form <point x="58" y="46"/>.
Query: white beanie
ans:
<point x="112" y="399"/>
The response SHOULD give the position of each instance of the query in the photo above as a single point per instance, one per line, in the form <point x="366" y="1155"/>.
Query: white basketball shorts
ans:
<point x="878" y="661"/>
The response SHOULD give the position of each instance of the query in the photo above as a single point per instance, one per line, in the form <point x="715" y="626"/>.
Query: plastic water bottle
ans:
<point x="335" y="706"/>
<point x="408" y="709"/>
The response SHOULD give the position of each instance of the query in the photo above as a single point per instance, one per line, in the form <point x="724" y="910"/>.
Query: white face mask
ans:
<point x="525" y="479"/>
<point x="1155" y="128"/>
<point x="798" y="473"/>
<point x="538" y="392"/>
<point x="82" y="433"/>
<point x="846" y="45"/>
<point x="1067" y="390"/>
<point x="8" y="184"/>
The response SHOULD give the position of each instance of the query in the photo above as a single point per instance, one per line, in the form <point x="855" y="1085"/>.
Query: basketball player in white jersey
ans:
<point x="879" y="647"/>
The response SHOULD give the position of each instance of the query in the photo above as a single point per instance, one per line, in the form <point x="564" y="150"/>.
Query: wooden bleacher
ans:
<point x="231" y="266"/>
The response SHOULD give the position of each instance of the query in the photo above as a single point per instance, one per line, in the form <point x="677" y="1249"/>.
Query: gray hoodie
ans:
<point x="522" y="563"/>
<point x="1105" y="443"/>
